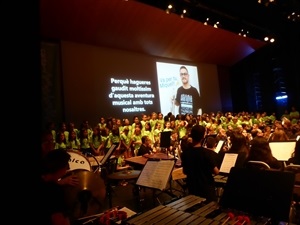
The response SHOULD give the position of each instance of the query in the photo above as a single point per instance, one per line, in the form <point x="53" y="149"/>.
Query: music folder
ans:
<point x="156" y="174"/>
<point x="219" y="146"/>
<point x="228" y="162"/>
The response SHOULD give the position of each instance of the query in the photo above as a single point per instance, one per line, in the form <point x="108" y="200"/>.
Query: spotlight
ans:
<point x="216" y="24"/>
<point x="183" y="14"/>
<point x="169" y="8"/>
<point x="270" y="39"/>
<point x="206" y="21"/>
<point x="243" y="33"/>
<point x="294" y="17"/>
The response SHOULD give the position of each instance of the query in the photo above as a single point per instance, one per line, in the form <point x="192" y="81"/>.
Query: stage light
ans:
<point x="216" y="24"/>
<point x="243" y="33"/>
<point x="281" y="97"/>
<point x="206" y="21"/>
<point x="169" y="8"/>
<point x="183" y="13"/>
<point x="294" y="17"/>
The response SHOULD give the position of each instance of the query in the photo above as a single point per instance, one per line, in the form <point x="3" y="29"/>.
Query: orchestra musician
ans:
<point x="199" y="163"/>
<point x="55" y="165"/>
<point x="145" y="148"/>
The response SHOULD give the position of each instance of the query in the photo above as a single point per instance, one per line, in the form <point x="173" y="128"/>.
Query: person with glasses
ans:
<point x="145" y="148"/>
<point x="187" y="97"/>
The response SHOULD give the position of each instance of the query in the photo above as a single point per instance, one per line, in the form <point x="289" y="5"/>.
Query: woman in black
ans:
<point x="295" y="158"/>
<point x="261" y="151"/>
<point x="239" y="146"/>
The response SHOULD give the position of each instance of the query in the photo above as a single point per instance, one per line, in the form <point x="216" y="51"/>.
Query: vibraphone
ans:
<point x="192" y="210"/>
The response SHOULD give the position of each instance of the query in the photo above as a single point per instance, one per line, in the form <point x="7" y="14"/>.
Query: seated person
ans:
<point x="211" y="142"/>
<point x="239" y="146"/>
<point x="295" y="157"/>
<point x="55" y="165"/>
<point x="47" y="146"/>
<point x="145" y="148"/>
<point x="261" y="151"/>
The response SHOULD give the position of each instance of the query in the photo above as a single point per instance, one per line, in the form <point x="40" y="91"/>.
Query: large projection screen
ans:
<point x="103" y="82"/>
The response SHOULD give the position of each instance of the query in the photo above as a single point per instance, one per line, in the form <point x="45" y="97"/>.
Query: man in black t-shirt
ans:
<point x="145" y="147"/>
<point x="187" y="97"/>
<point x="199" y="163"/>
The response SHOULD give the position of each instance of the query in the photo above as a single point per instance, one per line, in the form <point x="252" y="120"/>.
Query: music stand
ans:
<point x="282" y="150"/>
<point x="108" y="154"/>
<point x="105" y="163"/>
<point x="165" y="140"/>
<point x="156" y="175"/>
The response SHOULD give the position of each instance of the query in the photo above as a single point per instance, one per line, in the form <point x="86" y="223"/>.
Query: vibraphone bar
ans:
<point x="192" y="210"/>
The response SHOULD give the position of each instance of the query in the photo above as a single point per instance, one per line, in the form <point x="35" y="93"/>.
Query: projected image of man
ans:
<point x="187" y="96"/>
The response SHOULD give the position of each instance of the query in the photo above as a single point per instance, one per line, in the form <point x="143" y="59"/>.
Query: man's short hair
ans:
<point x="197" y="133"/>
<point x="55" y="160"/>
<point x="144" y="139"/>
<point x="183" y="67"/>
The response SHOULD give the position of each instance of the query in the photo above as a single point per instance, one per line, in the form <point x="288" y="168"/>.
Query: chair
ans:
<point x="296" y="170"/>
<point x="258" y="165"/>
<point x="293" y="168"/>
<point x="180" y="178"/>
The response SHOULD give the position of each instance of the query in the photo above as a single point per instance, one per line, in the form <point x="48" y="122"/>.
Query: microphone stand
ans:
<point x="98" y="164"/>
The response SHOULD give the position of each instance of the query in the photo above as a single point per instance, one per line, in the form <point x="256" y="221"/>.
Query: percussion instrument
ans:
<point x="192" y="209"/>
<point x="95" y="161"/>
<point x="88" y="195"/>
<point x="78" y="161"/>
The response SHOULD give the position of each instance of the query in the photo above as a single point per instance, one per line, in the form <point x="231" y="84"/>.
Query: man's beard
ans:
<point x="184" y="81"/>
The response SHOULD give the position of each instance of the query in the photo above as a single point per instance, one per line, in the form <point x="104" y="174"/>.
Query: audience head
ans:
<point x="279" y="135"/>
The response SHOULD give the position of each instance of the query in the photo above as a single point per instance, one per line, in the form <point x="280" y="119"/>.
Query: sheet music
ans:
<point x="229" y="161"/>
<point x="283" y="150"/>
<point x="156" y="174"/>
<point x="219" y="146"/>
